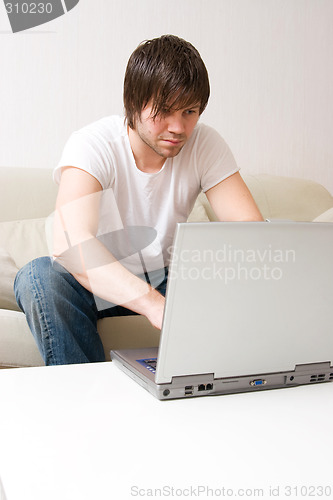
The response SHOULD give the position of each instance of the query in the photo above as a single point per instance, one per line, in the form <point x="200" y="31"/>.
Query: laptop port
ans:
<point x="258" y="382"/>
<point x="188" y="393"/>
<point x="209" y="387"/>
<point x="201" y="387"/>
<point x="189" y="387"/>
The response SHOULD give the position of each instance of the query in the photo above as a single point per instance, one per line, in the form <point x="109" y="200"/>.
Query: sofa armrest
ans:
<point x="288" y="197"/>
<point x="325" y="217"/>
<point x="277" y="198"/>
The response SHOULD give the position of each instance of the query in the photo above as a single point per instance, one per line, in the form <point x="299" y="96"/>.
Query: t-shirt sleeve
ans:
<point x="214" y="159"/>
<point x="87" y="152"/>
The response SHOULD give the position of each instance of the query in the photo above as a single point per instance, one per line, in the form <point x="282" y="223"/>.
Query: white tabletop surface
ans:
<point x="89" y="432"/>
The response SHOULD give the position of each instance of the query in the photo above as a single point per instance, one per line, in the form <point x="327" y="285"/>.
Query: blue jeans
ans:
<point x="62" y="314"/>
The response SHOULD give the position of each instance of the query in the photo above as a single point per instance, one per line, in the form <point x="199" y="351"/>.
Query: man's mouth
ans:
<point x="173" y="142"/>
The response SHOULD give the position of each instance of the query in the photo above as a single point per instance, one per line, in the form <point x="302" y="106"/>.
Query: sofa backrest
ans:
<point x="29" y="193"/>
<point x="26" y="193"/>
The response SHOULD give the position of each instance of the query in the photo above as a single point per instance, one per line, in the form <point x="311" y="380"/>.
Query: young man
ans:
<point x="150" y="169"/>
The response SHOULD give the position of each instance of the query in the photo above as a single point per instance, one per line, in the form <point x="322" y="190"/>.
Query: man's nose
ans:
<point x="176" y="123"/>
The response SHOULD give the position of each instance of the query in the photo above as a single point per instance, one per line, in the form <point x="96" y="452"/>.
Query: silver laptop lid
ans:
<point x="247" y="298"/>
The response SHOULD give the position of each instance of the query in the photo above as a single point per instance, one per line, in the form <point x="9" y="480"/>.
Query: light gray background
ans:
<point x="270" y="64"/>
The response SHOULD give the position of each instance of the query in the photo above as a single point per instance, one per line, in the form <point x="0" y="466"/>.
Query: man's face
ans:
<point x="167" y="134"/>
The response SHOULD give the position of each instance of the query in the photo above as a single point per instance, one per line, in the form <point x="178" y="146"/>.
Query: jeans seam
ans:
<point x="15" y="289"/>
<point x="46" y="336"/>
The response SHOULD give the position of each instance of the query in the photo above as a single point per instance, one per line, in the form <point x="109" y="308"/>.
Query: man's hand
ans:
<point x="155" y="310"/>
<point x="151" y="305"/>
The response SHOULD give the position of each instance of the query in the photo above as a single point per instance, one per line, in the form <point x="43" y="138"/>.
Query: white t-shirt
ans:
<point x="155" y="200"/>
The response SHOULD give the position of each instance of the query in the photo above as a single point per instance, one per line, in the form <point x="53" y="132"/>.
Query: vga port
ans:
<point x="258" y="382"/>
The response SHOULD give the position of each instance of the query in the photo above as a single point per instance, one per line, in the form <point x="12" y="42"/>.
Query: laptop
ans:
<point x="249" y="307"/>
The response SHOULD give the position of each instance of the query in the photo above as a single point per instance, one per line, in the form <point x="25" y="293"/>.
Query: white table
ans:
<point x="89" y="432"/>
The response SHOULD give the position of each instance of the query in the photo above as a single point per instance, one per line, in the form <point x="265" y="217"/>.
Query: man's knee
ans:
<point x="43" y="279"/>
<point x="37" y="270"/>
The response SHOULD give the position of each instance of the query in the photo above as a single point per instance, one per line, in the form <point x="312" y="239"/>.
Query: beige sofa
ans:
<point x="27" y="197"/>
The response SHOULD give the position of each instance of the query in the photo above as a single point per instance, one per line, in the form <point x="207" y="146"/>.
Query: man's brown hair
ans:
<point x="167" y="71"/>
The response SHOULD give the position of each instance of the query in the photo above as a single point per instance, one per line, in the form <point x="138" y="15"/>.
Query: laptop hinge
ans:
<point x="310" y="367"/>
<point x="202" y="378"/>
<point x="324" y="367"/>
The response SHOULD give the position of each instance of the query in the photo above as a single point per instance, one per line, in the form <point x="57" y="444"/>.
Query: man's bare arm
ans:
<point x="231" y="200"/>
<point x="76" y="223"/>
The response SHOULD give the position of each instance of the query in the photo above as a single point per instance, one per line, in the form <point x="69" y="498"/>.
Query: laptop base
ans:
<point x="189" y="386"/>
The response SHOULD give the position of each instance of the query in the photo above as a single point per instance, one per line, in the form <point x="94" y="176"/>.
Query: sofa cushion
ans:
<point x="18" y="347"/>
<point x="8" y="273"/>
<point x="20" y="242"/>
<point x="24" y="240"/>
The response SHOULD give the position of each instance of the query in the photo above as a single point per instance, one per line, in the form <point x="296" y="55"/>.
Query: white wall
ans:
<point x="270" y="64"/>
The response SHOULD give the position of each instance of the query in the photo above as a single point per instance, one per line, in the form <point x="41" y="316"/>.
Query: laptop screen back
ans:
<point x="247" y="298"/>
